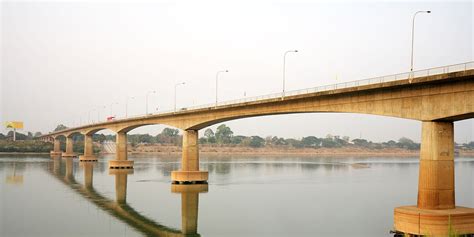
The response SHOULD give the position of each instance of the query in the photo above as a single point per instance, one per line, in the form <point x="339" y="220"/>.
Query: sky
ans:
<point x="65" y="62"/>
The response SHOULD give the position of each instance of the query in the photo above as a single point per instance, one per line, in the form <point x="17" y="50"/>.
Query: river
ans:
<point x="246" y="196"/>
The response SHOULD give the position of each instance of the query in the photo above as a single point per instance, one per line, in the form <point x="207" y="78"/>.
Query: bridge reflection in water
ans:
<point x="119" y="207"/>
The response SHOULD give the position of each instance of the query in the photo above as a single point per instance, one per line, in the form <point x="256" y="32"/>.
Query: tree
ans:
<point x="311" y="141"/>
<point x="170" y="132"/>
<point x="329" y="142"/>
<point x="223" y="134"/>
<point x="60" y="127"/>
<point x="210" y="136"/>
<point x="408" y="144"/>
<point x="237" y="139"/>
<point x="361" y="142"/>
<point x="38" y="134"/>
<point x="256" y="141"/>
<point x="294" y="143"/>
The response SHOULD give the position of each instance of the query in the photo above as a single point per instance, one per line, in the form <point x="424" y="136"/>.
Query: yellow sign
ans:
<point x="14" y="124"/>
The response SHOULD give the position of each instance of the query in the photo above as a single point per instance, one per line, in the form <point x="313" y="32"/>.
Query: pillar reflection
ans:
<point x="189" y="205"/>
<point x="121" y="184"/>
<point x="88" y="174"/>
<point x="15" y="177"/>
<point x="69" y="169"/>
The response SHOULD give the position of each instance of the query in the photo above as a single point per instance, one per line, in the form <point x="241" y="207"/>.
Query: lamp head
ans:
<point x="226" y="70"/>
<point x="296" y="51"/>
<point x="428" y="11"/>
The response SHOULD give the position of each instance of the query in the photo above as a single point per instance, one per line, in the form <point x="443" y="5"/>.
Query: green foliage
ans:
<point x="60" y="127"/>
<point x="407" y="143"/>
<point x="256" y="141"/>
<point x="25" y="146"/>
<point x="170" y="132"/>
<point x="223" y="134"/>
<point x="294" y="143"/>
<point x="330" y="142"/>
<point x="311" y="141"/>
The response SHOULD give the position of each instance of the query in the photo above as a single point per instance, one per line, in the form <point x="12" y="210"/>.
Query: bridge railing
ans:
<point x="342" y="85"/>
<point x="375" y="80"/>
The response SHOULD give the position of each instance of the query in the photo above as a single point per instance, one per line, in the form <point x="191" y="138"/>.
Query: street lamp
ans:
<point x="98" y="112"/>
<point x="126" y="105"/>
<point x="284" y="67"/>
<point x="111" y="113"/>
<point x="176" y="86"/>
<point x="413" y="36"/>
<point x="89" y="115"/>
<point x="146" y="110"/>
<point x="217" y="77"/>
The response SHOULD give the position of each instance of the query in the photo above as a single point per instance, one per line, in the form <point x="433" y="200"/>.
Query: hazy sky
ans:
<point x="61" y="59"/>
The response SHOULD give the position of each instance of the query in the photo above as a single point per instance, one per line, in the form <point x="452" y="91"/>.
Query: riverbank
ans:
<point x="270" y="151"/>
<point x="275" y="151"/>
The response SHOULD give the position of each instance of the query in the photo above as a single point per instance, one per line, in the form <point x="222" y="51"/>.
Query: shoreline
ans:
<point x="246" y="151"/>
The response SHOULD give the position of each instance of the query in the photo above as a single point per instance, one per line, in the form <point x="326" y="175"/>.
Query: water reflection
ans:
<point x="119" y="207"/>
<point x="16" y="176"/>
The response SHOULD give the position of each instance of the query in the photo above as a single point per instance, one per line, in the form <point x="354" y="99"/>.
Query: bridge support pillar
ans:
<point x="189" y="172"/>
<point x="121" y="161"/>
<point x="56" y="152"/>
<point x="435" y="212"/>
<point x="69" y="148"/>
<point x="189" y="205"/>
<point x="88" y="150"/>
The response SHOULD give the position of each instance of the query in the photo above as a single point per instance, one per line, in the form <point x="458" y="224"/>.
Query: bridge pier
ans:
<point x="121" y="161"/>
<point x="189" y="205"/>
<point x="189" y="172"/>
<point x="435" y="211"/>
<point x="56" y="152"/>
<point x="88" y="150"/>
<point x="69" y="148"/>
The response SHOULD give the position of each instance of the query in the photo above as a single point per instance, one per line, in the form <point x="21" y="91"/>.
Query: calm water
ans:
<point x="246" y="196"/>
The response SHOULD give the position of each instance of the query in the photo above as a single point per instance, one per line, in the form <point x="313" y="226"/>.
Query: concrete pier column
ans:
<point x="189" y="205"/>
<point x="435" y="212"/>
<point x="190" y="161"/>
<point x="88" y="150"/>
<point x="56" y="152"/>
<point x="121" y="161"/>
<point x="436" y="175"/>
<point x="69" y="148"/>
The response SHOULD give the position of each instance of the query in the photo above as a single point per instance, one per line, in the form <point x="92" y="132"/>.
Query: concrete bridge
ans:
<point x="436" y="97"/>
<point x="62" y="169"/>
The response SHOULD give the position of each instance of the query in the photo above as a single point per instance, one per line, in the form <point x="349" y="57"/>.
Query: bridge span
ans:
<point x="436" y="97"/>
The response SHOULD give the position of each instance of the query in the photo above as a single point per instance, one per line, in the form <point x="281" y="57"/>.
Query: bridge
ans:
<point x="437" y="97"/>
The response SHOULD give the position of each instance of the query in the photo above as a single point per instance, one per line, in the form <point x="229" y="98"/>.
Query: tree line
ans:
<point x="224" y="136"/>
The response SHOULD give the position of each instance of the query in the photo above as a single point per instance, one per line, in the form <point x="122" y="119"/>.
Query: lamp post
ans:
<point x="126" y="105"/>
<point x="146" y="110"/>
<point x="175" y="87"/>
<point x="413" y="36"/>
<point x="98" y="113"/>
<point x="284" y="70"/>
<point x="111" y="111"/>
<point x="89" y="115"/>
<point x="217" y="77"/>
